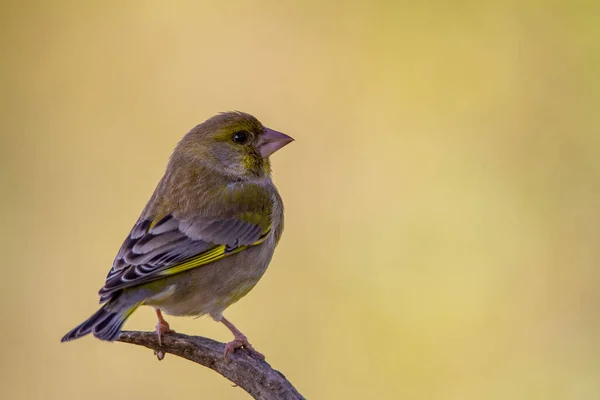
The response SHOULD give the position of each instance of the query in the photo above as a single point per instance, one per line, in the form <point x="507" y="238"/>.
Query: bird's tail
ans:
<point x="106" y="323"/>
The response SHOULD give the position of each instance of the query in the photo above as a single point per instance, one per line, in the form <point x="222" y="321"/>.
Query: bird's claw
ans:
<point x="161" y="329"/>
<point x="238" y="343"/>
<point x="159" y="354"/>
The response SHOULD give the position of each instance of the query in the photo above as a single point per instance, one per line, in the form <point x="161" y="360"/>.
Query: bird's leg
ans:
<point x="162" y="326"/>
<point x="239" y="340"/>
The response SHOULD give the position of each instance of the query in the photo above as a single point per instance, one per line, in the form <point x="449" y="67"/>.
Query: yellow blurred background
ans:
<point x="442" y="196"/>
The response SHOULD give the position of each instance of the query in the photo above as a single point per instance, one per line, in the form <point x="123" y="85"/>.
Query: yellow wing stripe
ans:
<point x="209" y="256"/>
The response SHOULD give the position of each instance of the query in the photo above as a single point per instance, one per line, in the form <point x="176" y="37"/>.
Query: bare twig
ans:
<point x="253" y="375"/>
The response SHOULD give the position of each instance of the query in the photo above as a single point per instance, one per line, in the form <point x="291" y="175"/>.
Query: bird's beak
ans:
<point x="271" y="141"/>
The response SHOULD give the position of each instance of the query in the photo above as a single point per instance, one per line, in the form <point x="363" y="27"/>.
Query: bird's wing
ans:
<point x="156" y="249"/>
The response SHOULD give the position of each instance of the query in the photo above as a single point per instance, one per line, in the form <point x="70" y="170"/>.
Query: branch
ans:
<point x="253" y="375"/>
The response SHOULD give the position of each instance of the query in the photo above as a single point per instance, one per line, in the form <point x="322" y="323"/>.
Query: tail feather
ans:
<point x="105" y="324"/>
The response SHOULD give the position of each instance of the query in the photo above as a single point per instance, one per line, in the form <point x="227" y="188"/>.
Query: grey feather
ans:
<point x="171" y="241"/>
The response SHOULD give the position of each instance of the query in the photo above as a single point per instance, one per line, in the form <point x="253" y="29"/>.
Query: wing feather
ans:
<point x="157" y="249"/>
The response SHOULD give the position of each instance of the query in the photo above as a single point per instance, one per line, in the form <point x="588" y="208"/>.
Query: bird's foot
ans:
<point x="162" y="327"/>
<point x="239" y="342"/>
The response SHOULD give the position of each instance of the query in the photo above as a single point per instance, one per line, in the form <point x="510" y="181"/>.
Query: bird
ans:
<point x="205" y="237"/>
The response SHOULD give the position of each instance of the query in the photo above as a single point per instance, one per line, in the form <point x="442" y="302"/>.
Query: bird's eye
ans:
<point x="240" y="137"/>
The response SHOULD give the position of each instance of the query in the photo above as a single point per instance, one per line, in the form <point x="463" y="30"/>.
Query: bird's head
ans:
<point x="232" y="143"/>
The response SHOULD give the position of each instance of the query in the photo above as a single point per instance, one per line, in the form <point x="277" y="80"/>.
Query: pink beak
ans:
<point x="271" y="141"/>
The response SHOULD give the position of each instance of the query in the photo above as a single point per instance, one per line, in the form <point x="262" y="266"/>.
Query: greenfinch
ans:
<point x="206" y="236"/>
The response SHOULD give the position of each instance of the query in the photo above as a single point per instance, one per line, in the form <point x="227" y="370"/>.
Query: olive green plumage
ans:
<point x="208" y="232"/>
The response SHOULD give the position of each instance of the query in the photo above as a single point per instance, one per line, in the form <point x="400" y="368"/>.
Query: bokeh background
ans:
<point x="442" y="195"/>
